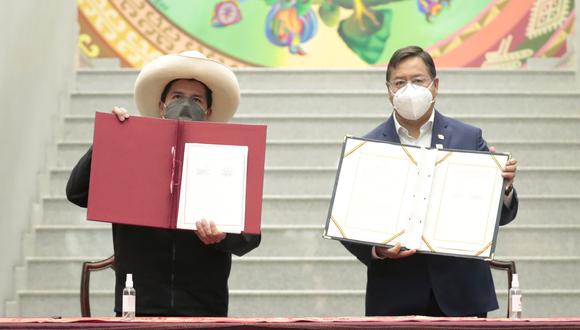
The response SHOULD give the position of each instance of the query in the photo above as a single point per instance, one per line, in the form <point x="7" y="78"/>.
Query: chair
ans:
<point x="88" y="267"/>
<point x="509" y="266"/>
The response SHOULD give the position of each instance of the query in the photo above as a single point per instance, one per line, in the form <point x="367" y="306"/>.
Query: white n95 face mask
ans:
<point x="412" y="101"/>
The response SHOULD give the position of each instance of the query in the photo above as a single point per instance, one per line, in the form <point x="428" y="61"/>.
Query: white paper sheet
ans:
<point x="368" y="203"/>
<point x="464" y="206"/>
<point x="213" y="186"/>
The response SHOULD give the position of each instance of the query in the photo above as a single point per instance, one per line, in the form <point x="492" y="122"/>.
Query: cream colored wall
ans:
<point x="38" y="39"/>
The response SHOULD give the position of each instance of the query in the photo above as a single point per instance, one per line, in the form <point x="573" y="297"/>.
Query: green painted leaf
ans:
<point x="329" y="13"/>
<point x="302" y="7"/>
<point x="367" y="40"/>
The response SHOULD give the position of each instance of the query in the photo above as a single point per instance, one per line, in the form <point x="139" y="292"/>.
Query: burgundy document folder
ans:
<point x="136" y="168"/>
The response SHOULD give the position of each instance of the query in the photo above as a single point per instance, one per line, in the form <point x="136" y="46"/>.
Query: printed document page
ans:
<point x="213" y="186"/>
<point x="371" y="201"/>
<point x="464" y="204"/>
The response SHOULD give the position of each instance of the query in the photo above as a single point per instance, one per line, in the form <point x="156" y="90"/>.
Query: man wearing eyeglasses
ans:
<point x="400" y="282"/>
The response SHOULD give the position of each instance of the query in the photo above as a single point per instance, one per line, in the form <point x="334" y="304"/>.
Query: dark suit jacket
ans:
<point x="460" y="286"/>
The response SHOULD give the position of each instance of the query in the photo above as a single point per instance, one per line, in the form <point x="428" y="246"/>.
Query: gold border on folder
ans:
<point x="484" y="248"/>
<point x="338" y="226"/>
<point x="354" y="149"/>
<point x="394" y="236"/>
<point x="409" y="155"/>
<point x="427" y="243"/>
<point x="443" y="159"/>
<point x="496" y="162"/>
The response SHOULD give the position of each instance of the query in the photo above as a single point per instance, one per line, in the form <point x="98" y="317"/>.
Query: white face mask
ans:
<point x="412" y="101"/>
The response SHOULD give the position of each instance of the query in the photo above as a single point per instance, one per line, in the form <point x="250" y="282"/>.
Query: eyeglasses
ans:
<point x="397" y="84"/>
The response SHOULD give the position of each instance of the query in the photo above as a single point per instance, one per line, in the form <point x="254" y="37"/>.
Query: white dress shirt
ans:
<point x="425" y="133"/>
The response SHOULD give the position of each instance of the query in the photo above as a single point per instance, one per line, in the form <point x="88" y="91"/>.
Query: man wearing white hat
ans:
<point x="176" y="272"/>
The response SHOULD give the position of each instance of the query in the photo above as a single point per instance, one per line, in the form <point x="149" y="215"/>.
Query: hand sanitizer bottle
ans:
<point x="129" y="298"/>
<point x="515" y="299"/>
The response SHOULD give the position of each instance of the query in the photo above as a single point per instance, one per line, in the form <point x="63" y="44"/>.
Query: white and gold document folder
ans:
<point x="433" y="200"/>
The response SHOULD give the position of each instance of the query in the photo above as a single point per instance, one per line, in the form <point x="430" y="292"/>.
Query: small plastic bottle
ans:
<point x="515" y="299"/>
<point x="129" y="298"/>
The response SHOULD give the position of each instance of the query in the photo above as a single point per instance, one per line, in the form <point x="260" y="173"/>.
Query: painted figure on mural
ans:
<point x="226" y="13"/>
<point x="431" y="8"/>
<point x="290" y="23"/>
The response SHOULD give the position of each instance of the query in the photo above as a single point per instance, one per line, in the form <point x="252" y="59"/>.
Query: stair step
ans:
<point x="360" y="102"/>
<point x="300" y="273"/>
<point x="347" y="79"/>
<point x="307" y="241"/>
<point x="313" y="209"/>
<point x="287" y="303"/>
<point x="320" y="180"/>
<point x="327" y="153"/>
<point x="275" y="210"/>
<point x="334" y="127"/>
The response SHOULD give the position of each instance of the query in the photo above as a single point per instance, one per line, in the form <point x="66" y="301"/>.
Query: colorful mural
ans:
<point x="330" y="33"/>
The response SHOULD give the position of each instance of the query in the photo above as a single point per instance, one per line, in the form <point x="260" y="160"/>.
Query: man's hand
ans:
<point x="509" y="170"/>
<point x="208" y="232"/>
<point x="121" y="113"/>
<point x="394" y="252"/>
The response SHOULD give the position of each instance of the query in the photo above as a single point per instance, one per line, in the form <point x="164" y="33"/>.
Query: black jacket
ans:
<point x="174" y="273"/>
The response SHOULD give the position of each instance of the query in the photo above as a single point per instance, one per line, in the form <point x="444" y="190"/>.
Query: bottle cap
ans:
<point x="129" y="281"/>
<point x="515" y="281"/>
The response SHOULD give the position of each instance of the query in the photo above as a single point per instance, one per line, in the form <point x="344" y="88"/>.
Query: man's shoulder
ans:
<point x="377" y="132"/>
<point x="458" y="125"/>
<point x="385" y="128"/>
<point x="461" y="135"/>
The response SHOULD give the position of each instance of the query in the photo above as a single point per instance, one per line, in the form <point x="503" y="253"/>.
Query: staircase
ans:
<point x="533" y="114"/>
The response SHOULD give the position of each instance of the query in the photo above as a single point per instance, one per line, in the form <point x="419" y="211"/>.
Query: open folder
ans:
<point x="433" y="200"/>
<point x="172" y="173"/>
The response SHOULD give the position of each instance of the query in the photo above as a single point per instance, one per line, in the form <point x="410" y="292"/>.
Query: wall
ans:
<point x="36" y="73"/>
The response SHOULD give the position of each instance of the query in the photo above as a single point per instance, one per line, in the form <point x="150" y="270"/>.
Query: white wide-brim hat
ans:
<point x="156" y="74"/>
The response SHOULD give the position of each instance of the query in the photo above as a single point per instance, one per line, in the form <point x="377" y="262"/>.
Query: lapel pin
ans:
<point x="440" y="136"/>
